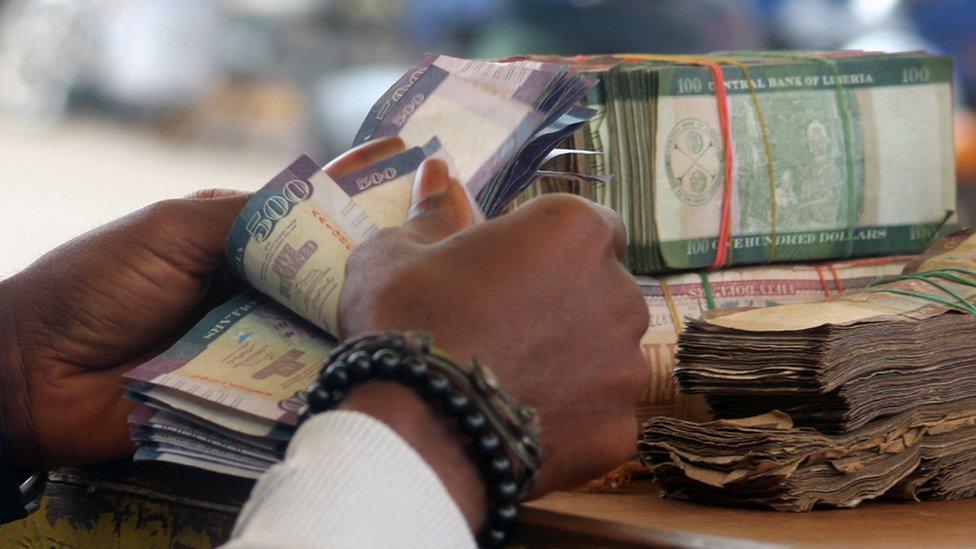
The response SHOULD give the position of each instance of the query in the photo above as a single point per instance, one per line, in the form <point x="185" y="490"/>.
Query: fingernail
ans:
<point x="432" y="179"/>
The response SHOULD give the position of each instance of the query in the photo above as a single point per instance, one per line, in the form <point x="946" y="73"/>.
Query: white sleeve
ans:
<point x="348" y="480"/>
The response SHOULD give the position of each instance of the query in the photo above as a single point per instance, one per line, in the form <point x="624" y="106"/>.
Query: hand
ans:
<point x="85" y="313"/>
<point x="539" y="295"/>
<point x="73" y="322"/>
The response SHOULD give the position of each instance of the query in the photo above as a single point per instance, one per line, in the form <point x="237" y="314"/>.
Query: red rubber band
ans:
<point x="725" y="123"/>
<point x="837" y="280"/>
<point x="823" y="281"/>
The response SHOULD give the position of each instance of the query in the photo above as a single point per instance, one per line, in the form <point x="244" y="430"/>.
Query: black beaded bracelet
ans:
<point x="504" y="437"/>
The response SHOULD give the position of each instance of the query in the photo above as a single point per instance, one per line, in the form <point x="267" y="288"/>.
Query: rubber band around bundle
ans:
<point x="823" y="280"/>
<point x="838" y="282"/>
<point x="723" y="253"/>
<point x="676" y="321"/>
<point x="961" y="303"/>
<point x="709" y="292"/>
<point x="841" y="102"/>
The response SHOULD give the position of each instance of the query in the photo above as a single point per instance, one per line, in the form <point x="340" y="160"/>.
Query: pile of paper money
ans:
<point x="765" y="460"/>
<point x="225" y="396"/>
<point x="805" y="156"/>
<point x="880" y="381"/>
<point x="672" y="299"/>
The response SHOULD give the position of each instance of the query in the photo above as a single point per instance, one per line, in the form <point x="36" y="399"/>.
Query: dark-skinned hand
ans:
<point x="539" y="295"/>
<point x="79" y="317"/>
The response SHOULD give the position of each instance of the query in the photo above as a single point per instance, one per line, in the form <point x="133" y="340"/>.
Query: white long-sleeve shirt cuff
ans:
<point x="348" y="480"/>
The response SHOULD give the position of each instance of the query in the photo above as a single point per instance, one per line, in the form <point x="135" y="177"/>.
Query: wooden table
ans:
<point x="157" y="505"/>
<point x="637" y="516"/>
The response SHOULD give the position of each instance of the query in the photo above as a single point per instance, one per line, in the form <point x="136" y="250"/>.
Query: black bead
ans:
<point x="504" y="514"/>
<point x="336" y="378"/>
<point x="436" y="385"/>
<point x="303" y="414"/>
<point x="474" y="423"/>
<point x="319" y="398"/>
<point x="499" y="467"/>
<point x="385" y="363"/>
<point x="355" y="356"/>
<point x="457" y="403"/>
<point x="493" y="537"/>
<point x="506" y="490"/>
<point x="488" y="443"/>
<point x="337" y="396"/>
<point x="413" y="371"/>
<point x="360" y="367"/>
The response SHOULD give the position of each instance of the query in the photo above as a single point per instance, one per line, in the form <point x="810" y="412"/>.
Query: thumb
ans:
<point x="191" y="232"/>
<point x="440" y="205"/>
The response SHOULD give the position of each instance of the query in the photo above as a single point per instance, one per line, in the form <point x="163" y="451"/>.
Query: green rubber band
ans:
<point x="945" y="273"/>
<point x="709" y="293"/>
<point x="952" y="293"/>
<point x="950" y="274"/>
<point x="950" y="304"/>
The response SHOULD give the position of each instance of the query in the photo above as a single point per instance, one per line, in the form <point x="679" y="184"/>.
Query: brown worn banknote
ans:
<point x="838" y="363"/>
<point x="865" y="394"/>
<point x="925" y="453"/>
<point x="674" y="299"/>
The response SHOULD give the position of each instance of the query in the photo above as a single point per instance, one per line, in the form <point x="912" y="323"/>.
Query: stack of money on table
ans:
<point x="225" y="396"/>
<point x="794" y="157"/>
<point x="866" y="394"/>
<point x="836" y="180"/>
<point x="672" y="299"/>
<point x="806" y="157"/>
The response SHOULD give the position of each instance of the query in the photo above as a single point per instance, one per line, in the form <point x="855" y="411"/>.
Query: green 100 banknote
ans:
<point x="831" y="155"/>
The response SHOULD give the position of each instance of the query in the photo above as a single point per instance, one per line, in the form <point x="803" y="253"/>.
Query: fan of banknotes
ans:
<point x="870" y="393"/>
<point x="225" y="396"/>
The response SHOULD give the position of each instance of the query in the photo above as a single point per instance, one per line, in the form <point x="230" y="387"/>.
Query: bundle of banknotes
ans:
<point x="747" y="157"/>
<point x="766" y="461"/>
<point x="867" y="393"/>
<point x="225" y="396"/>
<point x="673" y="299"/>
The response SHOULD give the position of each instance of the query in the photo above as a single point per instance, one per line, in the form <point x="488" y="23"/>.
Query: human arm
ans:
<point x="538" y="295"/>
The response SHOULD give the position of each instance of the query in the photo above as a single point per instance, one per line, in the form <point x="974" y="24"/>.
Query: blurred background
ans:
<point x="108" y="105"/>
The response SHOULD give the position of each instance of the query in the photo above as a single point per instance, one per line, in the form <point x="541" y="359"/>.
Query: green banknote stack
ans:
<point x="225" y="396"/>
<point x="803" y="157"/>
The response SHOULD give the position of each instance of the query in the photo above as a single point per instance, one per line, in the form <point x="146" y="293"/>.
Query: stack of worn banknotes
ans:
<point x="835" y="166"/>
<point x="673" y="298"/>
<point x="870" y="393"/>
<point x="745" y="179"/>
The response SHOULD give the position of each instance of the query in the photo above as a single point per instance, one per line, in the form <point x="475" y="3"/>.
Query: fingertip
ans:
<point x="441" y="214"/>
<point x="434" y="167"/>
<point x="216" y="193"/>
<point x="432" y="179"/>
<point x="391" y="142"/>
<point x="364" y="155"/>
